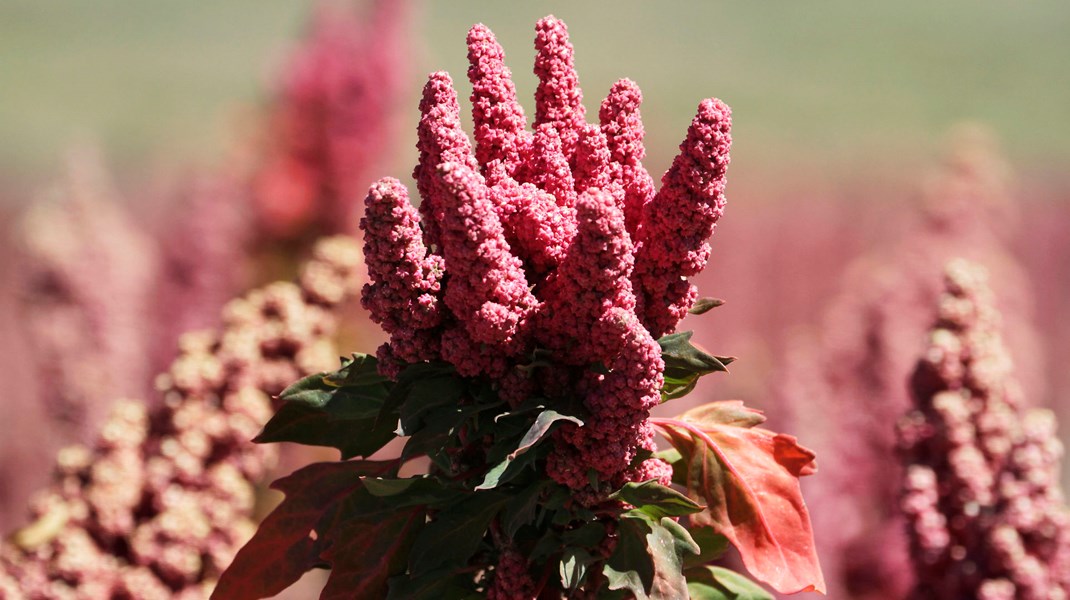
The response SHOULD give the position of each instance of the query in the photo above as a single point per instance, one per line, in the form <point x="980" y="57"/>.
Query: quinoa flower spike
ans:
<point x="531" y="303"/>
<point x="986" y="517"/>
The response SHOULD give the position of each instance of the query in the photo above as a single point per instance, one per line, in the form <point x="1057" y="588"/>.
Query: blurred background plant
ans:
<point x="222" y="145"/>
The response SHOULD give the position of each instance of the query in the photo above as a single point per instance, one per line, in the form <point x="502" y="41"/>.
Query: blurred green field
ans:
<point x="833" y="85"/>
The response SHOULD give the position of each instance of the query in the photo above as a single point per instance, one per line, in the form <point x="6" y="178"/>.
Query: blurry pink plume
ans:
<point x="847" y="384"/>
<point x="985" y="515"/>
<point x="86" y="275"/>
<point x="330" y="123"/>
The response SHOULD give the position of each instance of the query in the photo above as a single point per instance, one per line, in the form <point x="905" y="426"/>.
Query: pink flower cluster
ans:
<point x="85" y="276"/>
<point x="511" y="578"/>
<point x="104" y="297"/>
<point x="550" y="242"/>
<point x="859" y="359"/>
<point x="160" y="504"/>
<point x="331" y="122"/>
<point x="981" y="495"/>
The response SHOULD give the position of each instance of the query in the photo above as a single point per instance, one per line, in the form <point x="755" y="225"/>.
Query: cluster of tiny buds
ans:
<point x="552" y="239"/>
<point x="986" y="516"/>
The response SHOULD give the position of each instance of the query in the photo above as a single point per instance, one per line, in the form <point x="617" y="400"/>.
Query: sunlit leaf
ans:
<point x="704" y="305"/>
<point x="573" y="567"/>
<point x="656" y="500"/>
<point x="718" y="583"/>
<point x="749" y="479"/>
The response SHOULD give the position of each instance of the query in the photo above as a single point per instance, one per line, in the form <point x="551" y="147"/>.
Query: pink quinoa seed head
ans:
<point x="623" y="126"/>
<point x="488" y="291"/>
<point x="981" y="491"/>
<point x="558" y="98"/>
<point x="498" y="117"/>
<point x="439" y="139"/>
<point x="681" y="217"/>
<point x="550" y="168"/>
<point x="594" y="169"/>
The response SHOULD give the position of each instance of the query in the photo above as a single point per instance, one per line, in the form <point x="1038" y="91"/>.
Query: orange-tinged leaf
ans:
<point x="749" y="479"/>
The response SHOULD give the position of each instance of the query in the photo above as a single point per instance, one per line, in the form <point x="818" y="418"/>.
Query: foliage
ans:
<point x="384" y="535"/>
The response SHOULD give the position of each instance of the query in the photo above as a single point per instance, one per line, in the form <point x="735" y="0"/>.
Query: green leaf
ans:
<point x="336" y="410"/>
<point x="440" y="426"/>
<point x="540" y="428"/>
<point x="534" y="434"/>
<point x="283" y="549"/>
<point x="676" y="461"/>
<point x="496" y="475"/>
<point x="587" y="535"/>
<point x="361" y="370"/>
<point x="455" y="533"/>
<point x="573" y="567"/>
<point x="412" y="491"/>
<point x="704" y="305"/>
<point x="685" y="363"/>
<point x="355" y="391"/>
<point x="302" y="424"/>
<point x="440" y="584"/>
<point x="712" y="546"/>
<point x="657" y="500"/>
<point x="421" y="383"/>
<point x="648" y="559"/>
<point x="732" y="413"/>
<point x="718" y="583"/>
<point x="521" y="507"/>
<point x="548" y="544"/>
<point x="426" y="395"/>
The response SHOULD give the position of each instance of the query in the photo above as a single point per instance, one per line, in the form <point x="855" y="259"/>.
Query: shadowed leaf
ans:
<point x="712" y="544"/>
<point x="369" y="547"/>
<point x="303" y="424"/>
<point x="455" y="533"/>
<point x="534" y="434"/>
<point x="284" y="546"/>
<point x="648" y="559"/>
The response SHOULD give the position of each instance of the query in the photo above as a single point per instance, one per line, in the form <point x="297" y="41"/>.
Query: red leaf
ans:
<point x="283" y="548"/>
<point x="748" y="478"/>
<point x="369" y="549"/>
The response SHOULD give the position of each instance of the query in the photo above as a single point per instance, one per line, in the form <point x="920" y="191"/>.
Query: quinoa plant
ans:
<point x="531" y="303"/>
<point x="986" y="516"/>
